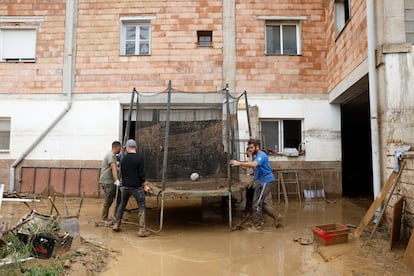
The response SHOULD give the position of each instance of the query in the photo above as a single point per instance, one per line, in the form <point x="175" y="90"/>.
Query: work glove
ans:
<point x="117" y="183"/>
<point x="147" y="188"/>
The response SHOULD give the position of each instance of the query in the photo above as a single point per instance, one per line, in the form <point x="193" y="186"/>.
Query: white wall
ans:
<point x="321" y="124"/>
<point x="85" y="133"/>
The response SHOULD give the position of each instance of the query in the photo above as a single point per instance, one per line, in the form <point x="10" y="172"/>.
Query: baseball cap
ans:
<point x="131" y="143"/>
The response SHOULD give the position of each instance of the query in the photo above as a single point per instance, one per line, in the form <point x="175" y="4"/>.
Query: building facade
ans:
<point x="68" y="69"/>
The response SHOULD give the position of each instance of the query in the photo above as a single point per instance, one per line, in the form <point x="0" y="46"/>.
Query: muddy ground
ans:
<point x="196" y="244"/>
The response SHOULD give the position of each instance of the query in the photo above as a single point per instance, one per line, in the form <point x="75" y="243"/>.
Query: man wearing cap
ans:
<point x="108" y="179"/>
<point x="133" y="183"/>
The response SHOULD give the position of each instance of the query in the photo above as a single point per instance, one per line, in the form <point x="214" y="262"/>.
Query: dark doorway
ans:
<point x="356" y="147"/>
<point x="131" y="129"/>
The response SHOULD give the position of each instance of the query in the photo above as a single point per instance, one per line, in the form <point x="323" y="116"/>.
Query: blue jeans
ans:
<point x="126" y="192"/>
<point x="260" y="193"/>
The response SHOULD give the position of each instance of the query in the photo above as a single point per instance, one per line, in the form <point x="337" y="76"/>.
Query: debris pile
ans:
<point x="38" y="235"/>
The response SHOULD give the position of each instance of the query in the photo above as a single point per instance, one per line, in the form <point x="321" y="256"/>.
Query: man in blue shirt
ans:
<point x="264" y="180"/>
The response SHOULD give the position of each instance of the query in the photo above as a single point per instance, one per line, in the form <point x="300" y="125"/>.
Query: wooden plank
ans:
<point x="409" y="253"/>
<point x="396" y="222"/>
<point x="391" y="181"/>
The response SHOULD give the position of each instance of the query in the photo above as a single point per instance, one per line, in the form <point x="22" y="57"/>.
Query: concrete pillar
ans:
<point x="229" y="44"/>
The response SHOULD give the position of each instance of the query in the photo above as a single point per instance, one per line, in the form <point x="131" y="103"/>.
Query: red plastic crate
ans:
<point x="328" y="234"/>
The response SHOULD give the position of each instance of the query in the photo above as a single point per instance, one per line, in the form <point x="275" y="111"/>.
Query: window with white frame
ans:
<point x="276" y="135"/>
<point x="5" y="133"/>
<point x="283" y="38"/>
<point x="135" y="37"/>
<point x="18" y="44"/>
<point x="341" y="14"/>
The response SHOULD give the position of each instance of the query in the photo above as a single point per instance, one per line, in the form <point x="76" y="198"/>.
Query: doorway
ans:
<point x="356" y="147"/>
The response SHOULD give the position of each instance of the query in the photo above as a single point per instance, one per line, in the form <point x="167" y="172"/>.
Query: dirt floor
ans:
<point x="196" y="244"/>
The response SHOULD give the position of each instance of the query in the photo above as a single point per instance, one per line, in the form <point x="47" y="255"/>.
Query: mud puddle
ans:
<point x="191" y="245"/>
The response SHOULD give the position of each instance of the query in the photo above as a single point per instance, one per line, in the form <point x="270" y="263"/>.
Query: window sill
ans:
<point x="18" y="61"/>
<point x="283" y="55"/>
<point x="4" y="151"/>
<point x="143" y="55"/>
<point x="270" y="153"/>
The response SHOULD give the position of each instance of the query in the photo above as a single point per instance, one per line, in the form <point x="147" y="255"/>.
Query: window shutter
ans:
<point x="19" y="43"/>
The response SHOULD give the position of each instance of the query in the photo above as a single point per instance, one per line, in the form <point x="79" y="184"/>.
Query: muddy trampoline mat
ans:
<point x="200" y="188"/>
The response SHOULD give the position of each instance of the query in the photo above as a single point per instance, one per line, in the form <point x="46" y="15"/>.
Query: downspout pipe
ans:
<point x="68" y="82"/>
<point x="373" y="98"/>
<point x="33" y="145"/>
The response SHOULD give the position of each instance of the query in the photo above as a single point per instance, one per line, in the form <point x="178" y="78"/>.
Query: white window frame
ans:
<point x="31" y="58"/>
<point x="5" y="119"/>
<point x="135" y="21"/>
<point x="282" y="23"/>
<point x="281" y="138"/>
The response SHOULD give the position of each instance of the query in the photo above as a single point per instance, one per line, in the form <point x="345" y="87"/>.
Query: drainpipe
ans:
<point x="68" y="81"/>
<point x="373" y="98"/>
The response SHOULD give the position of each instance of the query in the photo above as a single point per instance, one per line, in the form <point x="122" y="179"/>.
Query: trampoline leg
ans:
<point x="162" y="212"/>
<point x="161" y="215"/>
<point x="230" y="216"/>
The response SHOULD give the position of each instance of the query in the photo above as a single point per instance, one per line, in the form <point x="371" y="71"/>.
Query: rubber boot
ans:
<point x="105" y="212"/>
<point x="142" y="232"/>
<point x="117" y="225"/>
<point x="277" y="218"/>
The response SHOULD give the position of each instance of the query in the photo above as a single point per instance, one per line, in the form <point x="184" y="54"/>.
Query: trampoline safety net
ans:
<point x="200" y="128"/>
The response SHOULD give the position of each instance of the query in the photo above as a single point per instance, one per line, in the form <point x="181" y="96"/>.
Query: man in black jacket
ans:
<point x="133" y="183"/>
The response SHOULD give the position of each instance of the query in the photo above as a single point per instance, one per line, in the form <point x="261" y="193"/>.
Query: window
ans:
<point x="135" y="37"/>
<point x="282" y="38"/>
<point x="341" y="14"/>
<point x="409" y="21"/>
<point x="18" y="44"/>
<point x="4" y="134"/>
<point x="204" y="38"/>
<point x="279" y="134"/>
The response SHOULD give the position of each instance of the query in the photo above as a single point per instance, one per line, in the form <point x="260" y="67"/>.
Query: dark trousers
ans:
<point x="249" y="199"/>
<point x="260" y="193"/>
<point x="126" y="192"/>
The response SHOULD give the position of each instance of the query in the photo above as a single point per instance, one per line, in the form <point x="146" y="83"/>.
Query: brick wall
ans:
<point x="175" y="55"/>
<point x="257" y="72"/>
<point x="349" y="48"/>
<point x="45" y="75"/>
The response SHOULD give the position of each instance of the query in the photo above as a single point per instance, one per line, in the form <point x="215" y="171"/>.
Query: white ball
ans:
<point x="194" y="176"/>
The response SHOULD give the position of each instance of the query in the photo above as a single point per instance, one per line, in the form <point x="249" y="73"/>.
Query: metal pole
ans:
<point x="167" y="132"/>
<point x="228" y="134"/>
<point x="128" y="125"/>
<point x="248" y="114"/>
<point x="228" y="151"/>
<point x="137" y="122"/>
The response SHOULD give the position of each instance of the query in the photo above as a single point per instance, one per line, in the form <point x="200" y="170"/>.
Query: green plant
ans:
<point x="53" y="268"/>
<point x="14" y="250"/>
